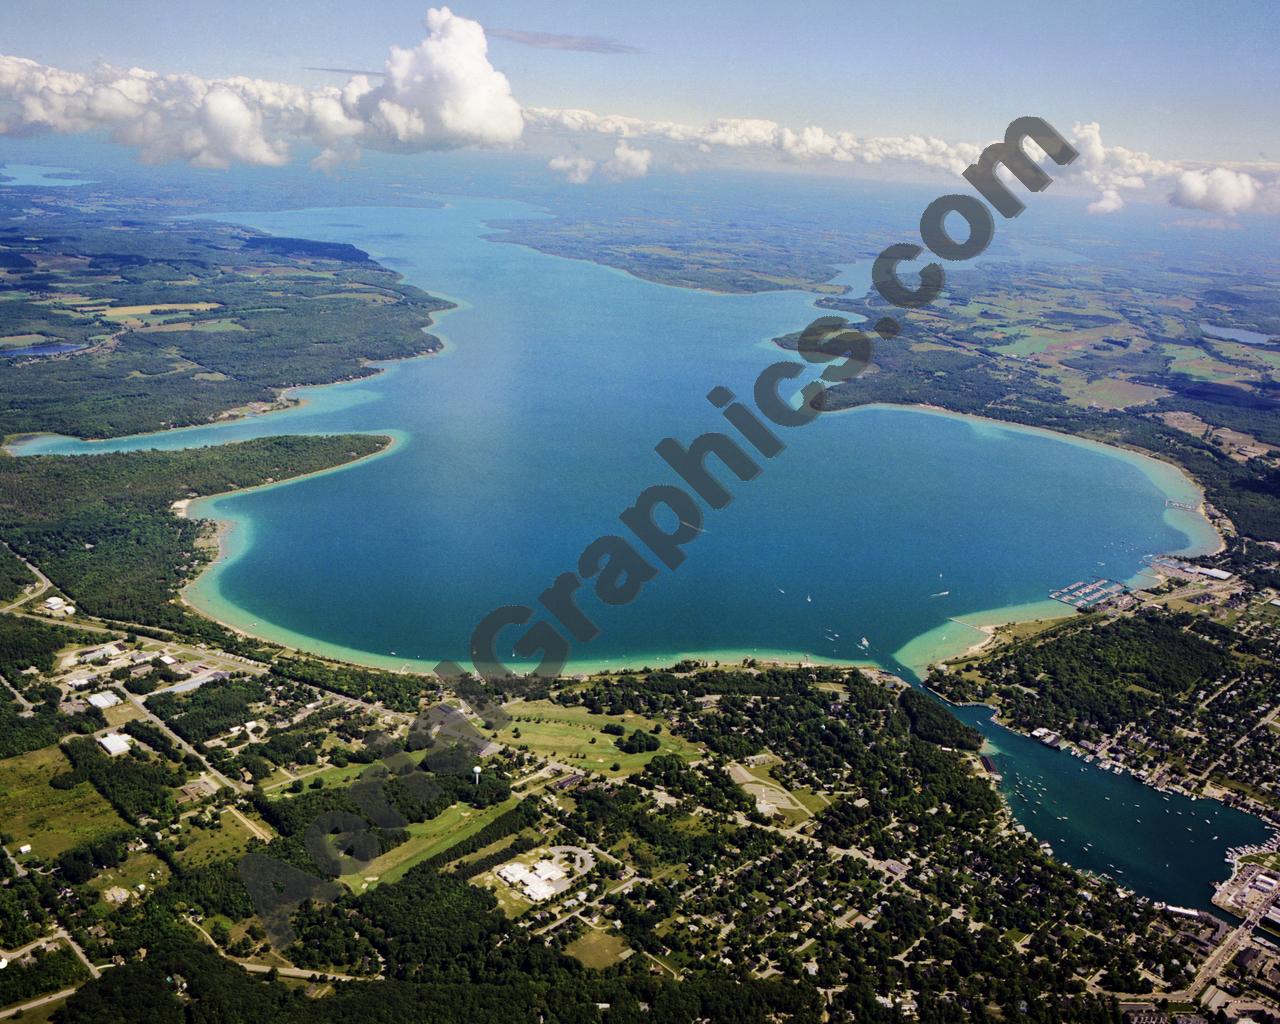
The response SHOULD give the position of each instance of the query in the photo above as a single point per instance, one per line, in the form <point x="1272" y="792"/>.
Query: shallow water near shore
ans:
<point x="526" y="437"/>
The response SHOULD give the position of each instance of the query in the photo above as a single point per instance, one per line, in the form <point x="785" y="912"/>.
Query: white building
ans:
<point x="109" y="651"/>
<point x="104" y="699"/>
<point x="114" y="744"/>
<point x="537" y="883"/>
<point x="1215" y="574"/>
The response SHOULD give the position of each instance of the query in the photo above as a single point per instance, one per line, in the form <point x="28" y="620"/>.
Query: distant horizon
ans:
<point x="608" y="98"/>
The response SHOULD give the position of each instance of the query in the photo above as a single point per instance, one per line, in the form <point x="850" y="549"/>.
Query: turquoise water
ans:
<point x="534" y="429"/>
<point x="39" y="176"/>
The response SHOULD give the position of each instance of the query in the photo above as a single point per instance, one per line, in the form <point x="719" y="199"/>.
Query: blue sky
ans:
<point x="1165" y="102"/>
<point x="1179" y="79"/>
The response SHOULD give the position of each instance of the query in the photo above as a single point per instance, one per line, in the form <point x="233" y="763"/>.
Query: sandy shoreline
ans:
<point x="929" y="648"/>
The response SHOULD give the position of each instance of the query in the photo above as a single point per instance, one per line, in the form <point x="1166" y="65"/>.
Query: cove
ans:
<point x="527" y="436"/>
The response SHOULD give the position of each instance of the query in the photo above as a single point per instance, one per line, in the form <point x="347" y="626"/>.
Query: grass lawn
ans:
<point x="426" y="839"/>
<point x="329" y="776"/>
<point x="564" y="734"/>
<point x="1268" y="860"/>
<point x="51" y="820"/>
<point x="598" y="949"/>
<point x="210" y="846"/>
<point x="137" y="869"/>
<point x="122" y="713"/>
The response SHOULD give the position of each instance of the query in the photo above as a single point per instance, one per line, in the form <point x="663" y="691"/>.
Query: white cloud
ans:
<point x="444" y="92"/>
<point x="576" y="169"/>
<point x="440" y="94"/>
<point x="1219" y="191"/>
<point x="628" y="163"/>
<point x="1108" y="202"/>
<point x="1111" y="173"/>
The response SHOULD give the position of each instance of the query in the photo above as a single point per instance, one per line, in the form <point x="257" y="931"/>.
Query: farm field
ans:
<point x="426" y="839"/>
<point x="598" y="950"/>
<point x="51" y="820"/>
<point x="566" y="734"/>
<point x="210" y="846"/>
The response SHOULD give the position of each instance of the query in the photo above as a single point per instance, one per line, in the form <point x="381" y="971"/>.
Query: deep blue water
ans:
<point x="526" y="438"/>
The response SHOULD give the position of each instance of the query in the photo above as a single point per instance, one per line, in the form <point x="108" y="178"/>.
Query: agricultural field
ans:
<point x="160" y="326"/>
<point x="426" y="839"/>
<point x="211" y="846"/>
<point x="599" y="949"/>
<point x="51" y="820"/>
<point x="575" y="737"/>
<point x="139" y="869"/>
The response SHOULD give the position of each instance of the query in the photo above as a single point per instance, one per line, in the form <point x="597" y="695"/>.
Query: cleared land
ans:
<point x="426" y="839"/>
<point x="575" y="737"/>
<point x="210" y="846"/>
<point x="598" y="949"/>
<point x="51" y="820"/>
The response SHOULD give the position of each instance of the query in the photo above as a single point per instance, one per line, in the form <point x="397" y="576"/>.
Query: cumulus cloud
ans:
<point x="440" y="94"/>
<point x="1113" y="174"/>
<point x="576" y="169"/>
<point x="628" y="163"/>
<point x="1109" y="202"/>
<point x="444" y="93"/>
<point x="1219" y="191"/>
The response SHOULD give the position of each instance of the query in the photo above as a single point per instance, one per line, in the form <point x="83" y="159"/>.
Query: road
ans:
<point x="159" y="723"/>
<point x="35" y="1004"/>
<point x="43" y="583"/>
<point x="284" y="972"/>
<point x="52" y="997"/>
<point x="1216" y="961"/>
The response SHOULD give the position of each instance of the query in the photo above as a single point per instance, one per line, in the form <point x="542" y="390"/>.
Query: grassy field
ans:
<point x="565" y="734"/>
<point x="140" y="868"/>
<point x="51" y="820"/>
<point x="329" y="776"/>
<point x="426" y="839"/>
<point x="758" y="783"/>
<point x="598" y="949"/>
<point x="210" y="846"/>
<point x="122" y="713"/>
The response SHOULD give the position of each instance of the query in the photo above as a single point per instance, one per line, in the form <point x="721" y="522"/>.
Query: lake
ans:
<point x="874" y="536"/>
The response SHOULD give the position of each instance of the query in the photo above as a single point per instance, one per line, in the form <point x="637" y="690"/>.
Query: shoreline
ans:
<point x="1119" y="768"/>
<point x="928" y="648"/>
<point x="284" y="401"/>
<point x="1149" y="463"/>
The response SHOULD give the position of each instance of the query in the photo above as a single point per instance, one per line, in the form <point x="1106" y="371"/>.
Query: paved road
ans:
<point x="1217" y="960"/>
<point x="35" y="1004"/>
<point x="284" y="972"/>
<point x="43" y="584"/>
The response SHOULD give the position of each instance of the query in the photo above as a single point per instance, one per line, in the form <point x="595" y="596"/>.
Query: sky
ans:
<point x="1188" y="87"/>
